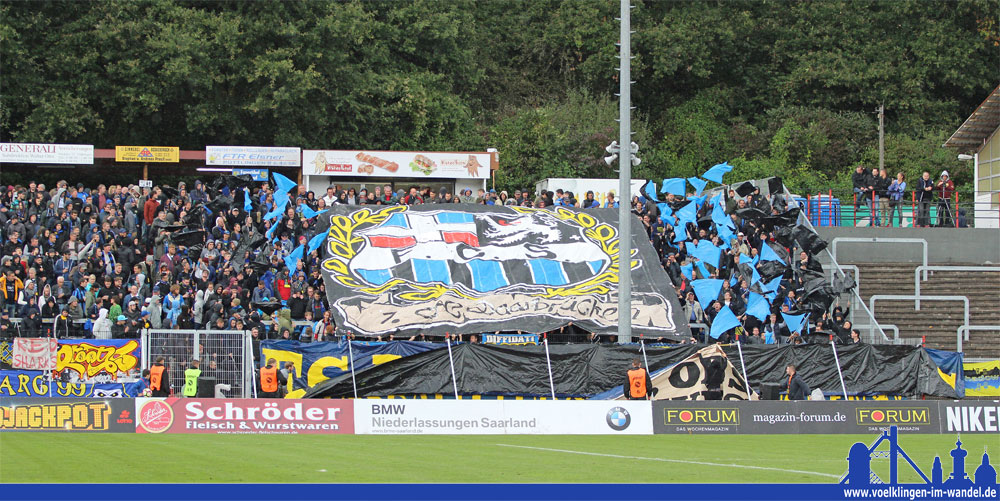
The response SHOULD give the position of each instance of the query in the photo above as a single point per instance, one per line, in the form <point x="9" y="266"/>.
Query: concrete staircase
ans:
<point x="937" y="321"/>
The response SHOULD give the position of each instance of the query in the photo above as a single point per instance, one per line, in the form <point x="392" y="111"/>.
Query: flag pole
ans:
<point x="642" y="345"/>
<point x="548" y="362"/>
<point x="350" y="353"/>
<point x="743" y="365"/>
<point x="839" y="372"/>
<point x="451" y="360"/>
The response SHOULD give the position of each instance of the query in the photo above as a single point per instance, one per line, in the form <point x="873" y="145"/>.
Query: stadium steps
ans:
<point x="937" y="321"/>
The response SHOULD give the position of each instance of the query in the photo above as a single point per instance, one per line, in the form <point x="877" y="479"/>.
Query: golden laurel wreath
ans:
<point x="343" y="245"/>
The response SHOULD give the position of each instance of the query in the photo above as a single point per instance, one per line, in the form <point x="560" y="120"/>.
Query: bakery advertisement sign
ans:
<point x="408" y="164"/>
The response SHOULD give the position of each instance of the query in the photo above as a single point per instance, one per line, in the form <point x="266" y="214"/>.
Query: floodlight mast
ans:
<point x="625" y="155"/>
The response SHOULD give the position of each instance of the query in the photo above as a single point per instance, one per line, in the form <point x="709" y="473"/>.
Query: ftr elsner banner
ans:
<point x="252" y="156"/>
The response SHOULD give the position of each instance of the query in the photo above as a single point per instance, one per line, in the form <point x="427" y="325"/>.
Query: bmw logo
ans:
<point x="618" y="418"/>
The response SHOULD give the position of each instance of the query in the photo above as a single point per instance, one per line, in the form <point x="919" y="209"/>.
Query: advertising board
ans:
<point x="171" y="154"/>
<point x="501" y="417"/>
<point x="243" y="416"/>
<point x="252" y="156"/>
<point x="67" y="414"/>
<point x="408" y="164"/>
<point x="40" y="153"/>
<point x="970" y="416"/>
<point x="777" y="417"/>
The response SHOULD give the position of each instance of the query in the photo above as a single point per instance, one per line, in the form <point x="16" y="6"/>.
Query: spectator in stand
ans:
<point x="945" y="191"/>
<point x="925" y="194"/>
<point x="896" y="191"/>
<point x="860" y="181"/>
<point x="882" y="183"/>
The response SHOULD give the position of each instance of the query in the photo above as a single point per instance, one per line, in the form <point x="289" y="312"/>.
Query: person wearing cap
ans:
<point x="945" y="189"/>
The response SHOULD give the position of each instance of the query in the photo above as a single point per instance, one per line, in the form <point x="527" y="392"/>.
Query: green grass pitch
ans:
<point x="65" y="457"/>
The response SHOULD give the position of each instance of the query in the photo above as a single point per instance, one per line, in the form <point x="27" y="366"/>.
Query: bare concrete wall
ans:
<point x="945" y="245"/>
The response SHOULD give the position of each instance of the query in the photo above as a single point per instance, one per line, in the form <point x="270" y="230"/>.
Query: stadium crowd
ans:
<point x="109" y="261"/>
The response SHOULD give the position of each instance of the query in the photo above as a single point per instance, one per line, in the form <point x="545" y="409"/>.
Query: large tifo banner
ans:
<point x="64" y="414"/>
<point x="17" y="383"/>
<point x="408" y="164"/>
<point x="318" y="362"/>
<point x="411" y="269"/>
<point x="780" y="417"/>
<point x="499" y="417"/>
<point x="243" y="416"/>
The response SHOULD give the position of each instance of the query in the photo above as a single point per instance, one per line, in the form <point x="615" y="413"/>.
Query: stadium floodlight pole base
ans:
<point x="839" y="372"/>
<point x="548" y="362"/>
<point x="451" y="360"/>
<point x="350" y="354"/>
<point x="624" y="177"/>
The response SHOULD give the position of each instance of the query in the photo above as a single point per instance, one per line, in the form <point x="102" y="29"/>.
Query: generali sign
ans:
<point x="41" y="153"/>
<point x="243" y="416"/>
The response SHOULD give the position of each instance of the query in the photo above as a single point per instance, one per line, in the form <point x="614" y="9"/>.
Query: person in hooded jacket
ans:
<point x="31" y="323"/>
<point x="102" y="326"/>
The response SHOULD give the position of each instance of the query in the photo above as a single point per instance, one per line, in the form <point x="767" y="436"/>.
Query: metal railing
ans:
<point x="925" y="268"/>
<point x="966" y="208"/>
<point x="873" y="323"/>
<point x="966" y="328"/>
<point x="904" y="297"/>
<point x="889" y="240"/>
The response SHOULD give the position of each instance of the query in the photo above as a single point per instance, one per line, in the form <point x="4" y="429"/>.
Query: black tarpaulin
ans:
<point x="586" y="370"/>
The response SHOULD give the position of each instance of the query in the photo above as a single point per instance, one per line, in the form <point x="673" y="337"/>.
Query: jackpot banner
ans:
<point x="420" y="269"/>
<point x="171" y="154"/>
<point x="243" y="416"/>
<point x="35" y="353"/>
<point x="60" y="414"/>
<point x="408" y="164"/>
<point x="15" y="383"/>
<point x="318" y="362"/>
<point x="781" y="417"/>
<point x="86" y="358"/>
<point x="501" y="417"/>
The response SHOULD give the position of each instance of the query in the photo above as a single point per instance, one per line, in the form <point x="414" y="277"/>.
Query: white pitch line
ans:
<point x="665" y="460"/>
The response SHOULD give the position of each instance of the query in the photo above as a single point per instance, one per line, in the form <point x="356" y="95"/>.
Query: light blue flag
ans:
<point x="724" y="321"/>
<point x="674" y="186"/>
<point x="754" y="276"/>
<point x="688" y="270"/>
<point x="706" y="290"/>
<point x="707" y="252"/>
<point x="754" y="261"/>
<point x="722" y="220"/>
<point x="698" y="201"/>
<point x="698" y="183"/>
<point x="279" y="209"/>
<point x="768" y="254"/>
<point x="716" y="198"/>
<point x="701" y="268"/>
<point x="758" y="307"/>
<point x="733" y="279"/>
<point x="650" y="192"/>
<point x="665" y="210"/>
<point x="773" y="286"/>
<point x="270" y="230"/>
<point x="687" y="214"/>
<point x="316" y="241"/>
<point x="292" y="260"/>
<point x="284" y="184"/>
<point x="794" y="322"/>
<point x="308" y="213"/>
<point x="717" y="171"/>
<point x="680" y="233"/>
<point x="246" y="200"/>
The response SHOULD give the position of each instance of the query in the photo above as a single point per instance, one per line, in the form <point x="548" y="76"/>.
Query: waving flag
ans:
<point x="688" y="271"/>
<point x="649" y="189"/>
<point x="794" y="322"/>
<point x="292" y="260"/>
<point x="309" y="213"/>
<point x="698" y="183"/>
<point x="246" y="200"/>
<point x="758" y="307"/>
<point x="724" y="320"/>
<point x="316" y="241"/>
<point x="773" y="286"/>
<point x="768" y="254"/>
<point x="717" y="171"/>
<point x="706" y="290"/>
<point x="707" y="252"/>
<point x="674" y="186"/>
